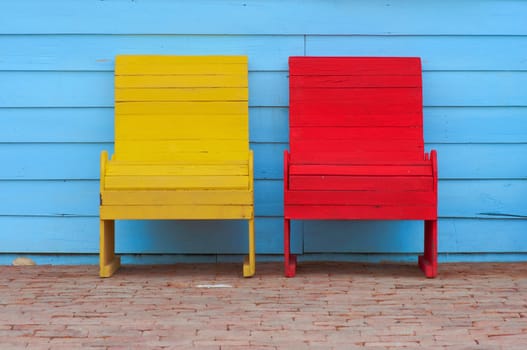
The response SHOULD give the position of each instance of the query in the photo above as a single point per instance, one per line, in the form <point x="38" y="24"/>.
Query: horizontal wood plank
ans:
<point x="182" y="107"/>
<point x="354" y="156"/>
<point x="168" y="212"/>
<point x="339" y="81"/>
<point x="440" y="53"/>
<point x="266" y="52"/>
<point x="334" y="116"/>
<point x="300" y="65"/>
<point x="171" y="127"/>
<point x="180" y="81"/>
<point x="366" y="212"/>
<point x="182" y="65"/>
<point x="423" y="169"/>
<point x="360" y="183"/>
<point x="79" y="161"/>
<point x="268" y="89"/>
<point x="379" y="99"/>
<point x="53" y="235"/>
<point x="356" y="133"/>
<point x="146" y="147"/>
<point x="361" y="145"/>
<point x="159" y="169"/>
<point x="184" y="197"/>
<point x="182" y="157"/>
<point x="269" y="17"/>
<point x="476" y="199"/>
<point x="163" y="68"/>
<point x="168" y="182"/>
<point x="193" y="60"/>
<point x="468" y="128"/>
<point x="365" y="198"/>
<point x="181" y="94"/>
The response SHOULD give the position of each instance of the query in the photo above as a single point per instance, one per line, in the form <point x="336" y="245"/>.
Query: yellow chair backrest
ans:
<point x="188" y="109"/>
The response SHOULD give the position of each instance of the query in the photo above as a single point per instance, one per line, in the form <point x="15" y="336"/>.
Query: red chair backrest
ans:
<point x="345" y="110"/>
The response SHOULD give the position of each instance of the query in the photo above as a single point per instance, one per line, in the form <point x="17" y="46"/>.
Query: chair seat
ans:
<point x="404" y="190"/>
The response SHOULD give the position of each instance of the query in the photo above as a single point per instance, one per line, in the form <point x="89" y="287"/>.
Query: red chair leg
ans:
<point x="428" y="261"/>
<point x="289" y="259"/>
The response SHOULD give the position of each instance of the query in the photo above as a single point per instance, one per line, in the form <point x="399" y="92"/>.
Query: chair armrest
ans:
<point x="104" y="161"/>
<point x="286" y="169"/>
<point x="251" y="170"/>
<point x="433" y="158"/>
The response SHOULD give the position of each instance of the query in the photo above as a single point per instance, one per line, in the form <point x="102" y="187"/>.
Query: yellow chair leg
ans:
<point x="249" y="264"/>
<point x="108" y="262"/>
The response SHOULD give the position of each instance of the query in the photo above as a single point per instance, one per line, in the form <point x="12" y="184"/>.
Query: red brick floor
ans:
<point x="327" y="306"/>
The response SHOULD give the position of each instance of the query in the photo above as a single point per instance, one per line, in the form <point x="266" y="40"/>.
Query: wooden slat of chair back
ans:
<point x="348" y="109"/>
<point x="192" y="108"/>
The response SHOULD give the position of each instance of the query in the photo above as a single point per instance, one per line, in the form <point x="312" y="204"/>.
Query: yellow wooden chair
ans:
<point x="181" y="146"/>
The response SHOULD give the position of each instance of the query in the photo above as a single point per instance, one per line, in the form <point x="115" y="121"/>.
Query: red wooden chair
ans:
<point x="356" y="146"/>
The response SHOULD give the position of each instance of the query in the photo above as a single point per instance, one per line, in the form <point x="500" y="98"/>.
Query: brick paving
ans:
<point x="327" y="306"/>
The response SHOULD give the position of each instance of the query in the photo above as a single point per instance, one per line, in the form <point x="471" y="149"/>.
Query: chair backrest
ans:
<point x="181" y="108"/>
<point x="355" y="109"/>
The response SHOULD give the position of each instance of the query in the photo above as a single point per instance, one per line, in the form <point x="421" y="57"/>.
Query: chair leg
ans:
<point x="289" y="259"/>
<point x="428" y="261"/>
<point x="249" y="264"/>
<point x="108" y="262"/>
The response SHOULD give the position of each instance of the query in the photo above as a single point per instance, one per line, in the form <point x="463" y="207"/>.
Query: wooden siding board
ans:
<point x="460" y="125"/>
<point x="78" y="161"/>
<point x="73" y="198"/>
<point x="266" y="52"/>
<point x="267" y="89"/>
<point x="269" y="124"/>
<point x="95" y="89"/>
<point x="457" y="198"/>
<point x="482" y="199"/>
<point x="57" y="235"/>
<point x="70" y="125"/>
<point x="270" y="17"/>
<point x="438" y="53"/>
<point x="464" y="125"/>
<point x="457" y="236"/>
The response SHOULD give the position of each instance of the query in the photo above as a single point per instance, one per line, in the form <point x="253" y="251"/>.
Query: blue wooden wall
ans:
<point x="56" y="115"/>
